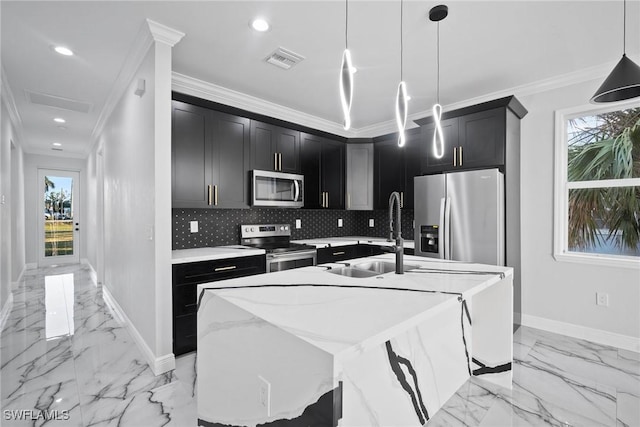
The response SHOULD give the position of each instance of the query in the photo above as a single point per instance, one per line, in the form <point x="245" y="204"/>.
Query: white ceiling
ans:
<point x="486" y="47"/>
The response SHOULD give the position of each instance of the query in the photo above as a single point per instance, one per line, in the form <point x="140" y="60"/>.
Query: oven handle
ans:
<point x="293" y="255"/>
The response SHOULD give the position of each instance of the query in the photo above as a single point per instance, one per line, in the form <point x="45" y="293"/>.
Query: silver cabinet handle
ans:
<point x="455" y="156"/>
<point x="327" y="200"/>
<point x="348" y="200"/>
<point x="280" y="162"/>
<point x="338" y="253"/>
<point x="231" y="267"/>
<point x="209" y="195"/>
<point x="460" y="152"/>
<point x="275" y="161"/>
<point x="215" y="195"/>
<point x="402" y="199"/>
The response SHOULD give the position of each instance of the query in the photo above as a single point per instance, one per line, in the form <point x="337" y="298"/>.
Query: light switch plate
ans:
<point x="298" y="223"/>
<point x="371" y="222"/>
<point x="339" y="222"/>
<point x="193" y="226"/>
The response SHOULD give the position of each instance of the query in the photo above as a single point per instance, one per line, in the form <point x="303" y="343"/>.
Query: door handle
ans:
<point x="280" y="162"/>
<point x="460" y="152"/>
<point x="231" y="267"/>
<point x="209" y="196"/>
<point x="455" y="156"/>
<point x="275" y="161"/>
<point x="215" y="195"/>
<point x="327" y="200"/>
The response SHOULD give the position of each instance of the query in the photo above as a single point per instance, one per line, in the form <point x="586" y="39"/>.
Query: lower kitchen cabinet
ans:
<point x="337" y="253"/>
<point x="187" y="277"/>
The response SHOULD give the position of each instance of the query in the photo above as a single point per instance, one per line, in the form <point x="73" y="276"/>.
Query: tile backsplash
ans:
<point x="218" y="227"/>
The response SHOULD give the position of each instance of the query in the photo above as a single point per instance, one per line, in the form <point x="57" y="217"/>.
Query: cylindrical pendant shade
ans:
<point x="622" y="83"/>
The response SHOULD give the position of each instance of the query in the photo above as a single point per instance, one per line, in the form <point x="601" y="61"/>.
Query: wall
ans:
<point x="555" y="291"/>
<point x="18" y="255"/>
<point x="33" y="200"/>
<point x="218" y="227"/>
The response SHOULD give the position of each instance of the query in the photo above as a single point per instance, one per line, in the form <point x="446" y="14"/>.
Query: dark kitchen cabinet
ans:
<point x="336" y="253"/>
<point x="274" y="148"/>
<point x="210" y="158"/>
<point x="474" y="137"/>
<point x="187" y="277"/>
<point x="395" y="167"/>
<point x="322" y="162"/>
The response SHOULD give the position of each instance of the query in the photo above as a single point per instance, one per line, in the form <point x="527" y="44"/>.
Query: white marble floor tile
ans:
<point x="628" y="410"/>
<point x="465" y="408"/>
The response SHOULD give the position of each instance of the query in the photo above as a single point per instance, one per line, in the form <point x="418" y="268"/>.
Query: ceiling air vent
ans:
<point x="57" y="149"/>
<point x="284" y="58"/>
<point x="58" y="102"/>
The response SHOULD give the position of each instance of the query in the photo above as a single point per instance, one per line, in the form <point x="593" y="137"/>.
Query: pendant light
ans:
<point x="346" y="74"/>
<point x="624" y="81"/>
<point x="437" y="14"/>
<point x="401" y="96"/>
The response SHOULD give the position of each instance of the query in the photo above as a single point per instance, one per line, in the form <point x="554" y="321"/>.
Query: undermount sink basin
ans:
<point x="381" y="267"/>
<point x="353" y="272"/>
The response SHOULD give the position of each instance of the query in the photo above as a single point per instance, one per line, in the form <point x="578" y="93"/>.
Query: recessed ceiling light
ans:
<point x="59" y="120"/>
<point x="63" y="50"/>
<point x="259" y="24"/>
<point x="57" y="144"/>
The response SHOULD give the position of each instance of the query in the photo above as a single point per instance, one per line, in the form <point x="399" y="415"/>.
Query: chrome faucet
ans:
<point x="395" y="233"/>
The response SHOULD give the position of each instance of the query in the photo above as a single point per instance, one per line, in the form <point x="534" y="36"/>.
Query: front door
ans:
<point x="58" y="226"/>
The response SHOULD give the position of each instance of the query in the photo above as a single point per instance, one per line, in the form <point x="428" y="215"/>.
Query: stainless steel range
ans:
<point x="275" y="239"/>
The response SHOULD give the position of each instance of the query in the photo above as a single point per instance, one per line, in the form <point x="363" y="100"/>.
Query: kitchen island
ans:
<point x="330" y="345"/>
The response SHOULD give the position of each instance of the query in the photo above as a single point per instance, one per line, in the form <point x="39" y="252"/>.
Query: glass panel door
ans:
<point x="60" y="226"/>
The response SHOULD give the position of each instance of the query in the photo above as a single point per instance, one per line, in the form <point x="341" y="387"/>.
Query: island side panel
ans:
<point x="404" y="381"/>
<point x="251" y="372"/>
<point x="492" y="333"/>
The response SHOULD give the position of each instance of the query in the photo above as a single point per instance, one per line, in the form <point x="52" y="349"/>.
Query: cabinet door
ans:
<point x="191" y="153"/>
<point x="388" y="171"/>
<point x="432" y="164"/>
<point x="231" y="153"/>
<point x="359" y="176"/>
<point x="310" y="157"/>
<point x="287" y="145"/>
<point x="262" y="142"/>
<point x="332" y="172"/>
<point x="414" y="151"/>
<point x="482" y="137"/>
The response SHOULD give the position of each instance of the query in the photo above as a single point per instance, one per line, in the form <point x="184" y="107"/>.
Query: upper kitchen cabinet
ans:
<point x="274" y="148"/>
<point x="322" y="162"/>
<point x="359" y="176"/>
<point x="474" y="137"/>
<point x="395" y="167"/>
<point x="210" y="158"/>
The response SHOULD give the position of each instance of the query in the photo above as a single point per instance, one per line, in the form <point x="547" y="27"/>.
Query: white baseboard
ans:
<point x="158" y="365"/>
<point x="6" y="310"/>
<point x="582" y="332"/>
<point x="31" y="265"/>
<point x="93" y="275"/>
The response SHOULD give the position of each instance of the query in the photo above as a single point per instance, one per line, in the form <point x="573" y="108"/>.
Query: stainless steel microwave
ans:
<point x="277" y="189"/>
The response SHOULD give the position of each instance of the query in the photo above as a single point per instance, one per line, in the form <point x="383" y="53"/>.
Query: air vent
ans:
<point x="284" y="58"/>
<point x="57" y="149"/>
<point x="58" y="102"/>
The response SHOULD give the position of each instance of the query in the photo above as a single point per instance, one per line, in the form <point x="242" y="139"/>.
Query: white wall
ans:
<point x="33" y="199"/>
<point x="555" y="291"/>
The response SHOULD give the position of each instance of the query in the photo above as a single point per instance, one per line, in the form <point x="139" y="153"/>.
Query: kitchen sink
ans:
<point x="381" y="267"/>
<point x="353" y="272"/>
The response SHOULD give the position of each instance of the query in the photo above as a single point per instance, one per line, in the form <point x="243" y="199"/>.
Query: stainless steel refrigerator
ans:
<point x="461" y="216"/>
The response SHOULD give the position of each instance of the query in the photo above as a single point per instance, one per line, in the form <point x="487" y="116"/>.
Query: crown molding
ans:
<point x="55" y="153"/>
<point x="162" y="33"/>
<point x="10" y="102"/>
<point x="212" y="92"/>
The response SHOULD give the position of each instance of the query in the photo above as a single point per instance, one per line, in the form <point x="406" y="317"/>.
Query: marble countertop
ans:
<point x="326" y="242"/>
<point x="181" y="256"/>
<point x="342" y="315"/>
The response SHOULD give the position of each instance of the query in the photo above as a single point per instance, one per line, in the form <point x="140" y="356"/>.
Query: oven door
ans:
<point x="289" y="260"/>
<point x="277" y="189"/>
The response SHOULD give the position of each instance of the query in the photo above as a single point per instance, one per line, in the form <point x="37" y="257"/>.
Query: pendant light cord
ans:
<point x="401" y="40"/>
<point x="438" y="64"/>
<point x="624" y="27"/>
<point x="346" y="24"/>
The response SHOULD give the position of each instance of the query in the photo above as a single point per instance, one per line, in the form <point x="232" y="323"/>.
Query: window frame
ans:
<point x="562" y="187"/>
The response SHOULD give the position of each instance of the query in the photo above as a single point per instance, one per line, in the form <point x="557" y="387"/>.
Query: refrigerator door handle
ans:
<point x="441" y="229"/>
<point x="447" y="228"/>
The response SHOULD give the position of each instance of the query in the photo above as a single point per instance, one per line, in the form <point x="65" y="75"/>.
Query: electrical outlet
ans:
<point x="298" y="223"/>
<point x="602" y="299"/>
<point x="371" y="222"/>
<point x="264" y="395"/>
<point x="339" y="222"/>
<point x="193" y="226"/>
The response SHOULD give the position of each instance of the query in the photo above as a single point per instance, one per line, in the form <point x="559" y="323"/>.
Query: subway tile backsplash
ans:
<point x="218" y="227"/>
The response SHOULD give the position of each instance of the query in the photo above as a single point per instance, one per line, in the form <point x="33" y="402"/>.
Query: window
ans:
<point x="597" y="185"/>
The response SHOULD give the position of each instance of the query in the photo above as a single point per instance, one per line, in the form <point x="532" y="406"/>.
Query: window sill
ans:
<point x="595" y="259"/>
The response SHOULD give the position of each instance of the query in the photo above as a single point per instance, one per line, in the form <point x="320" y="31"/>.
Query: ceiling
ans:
<point x="485" y="48"/>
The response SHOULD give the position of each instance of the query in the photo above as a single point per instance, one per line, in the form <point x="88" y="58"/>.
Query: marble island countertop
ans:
<point x="326" y="242"/>
<point x="181" y="256"/>
<point x="338" y="313"/>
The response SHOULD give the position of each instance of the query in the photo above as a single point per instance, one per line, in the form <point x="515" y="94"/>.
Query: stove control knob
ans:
<point x="253" y="229"/>
<point x="286" y="227"/>
<point x="281" y="228"/>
